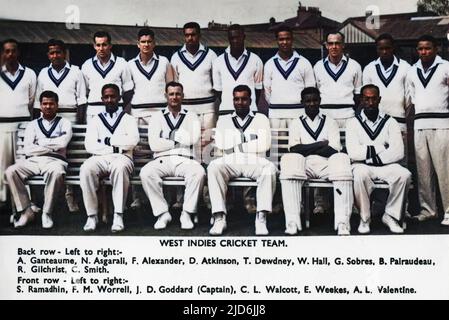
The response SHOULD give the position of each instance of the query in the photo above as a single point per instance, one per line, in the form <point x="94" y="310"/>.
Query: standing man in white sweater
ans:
<point x="428" y="85"/>
<point x="104" y="68"/>
<point x="193" y="69"/>
<point x="389" y="72"/>
<point x="172" y="133"/>
<point x="17" y="89"/>
<point x="286" y="74"/>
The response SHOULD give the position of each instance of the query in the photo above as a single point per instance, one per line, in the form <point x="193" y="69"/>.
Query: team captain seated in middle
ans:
<point x="243" y="137"/>
<point x="172" y="135"/>
<point x="314" y="142"/>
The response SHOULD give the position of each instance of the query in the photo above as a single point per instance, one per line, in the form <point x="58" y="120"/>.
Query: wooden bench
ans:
<point x="76" y="155"/>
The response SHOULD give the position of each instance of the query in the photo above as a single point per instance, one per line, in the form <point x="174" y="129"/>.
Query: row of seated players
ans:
<point x="373" y="141"/>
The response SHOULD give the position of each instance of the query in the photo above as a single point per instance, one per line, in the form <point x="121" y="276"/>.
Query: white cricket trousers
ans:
<point x="234" y="165"/>
<point x="432" y="161"/>
<point x="396" y="176"/>
<point x="53" y="170"/>
<point x="118" y="168"/>
<point x="174" y="166"/>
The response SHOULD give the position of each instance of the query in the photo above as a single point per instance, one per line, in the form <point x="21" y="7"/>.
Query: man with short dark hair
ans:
<point x="428" y="87"/>
<point x="64" y="79"/>
<point x="375" y="146"/>
<point x="243" y="137"/>
<point x="286" y="74"/>
<point x="237" y="66"/>
<point x="102" y="69"/>
<point x="172" y="133"/>
<point x="149" y="72"/>
<point x="45" y="144"/>
<point x="314" y="143"/>
<point x="68" y="82"/>
<point x="193" y="68"/>
<point x="17" y="90"/>
<point x="388" y="72"/>
<point x="110" y="137"/>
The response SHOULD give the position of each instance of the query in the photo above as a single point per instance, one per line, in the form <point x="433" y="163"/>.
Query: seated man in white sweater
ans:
<point x="243" y="137"/>
<point x="110" y="137"/>
<point x="375" y="146"/>
<point x="314" y="142"/>
<point x="45" y="143"/>
<point x="172" y="135"/>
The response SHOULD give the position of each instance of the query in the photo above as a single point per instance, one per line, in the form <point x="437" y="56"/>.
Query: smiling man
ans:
<point x="102" y="69"/>
<point x="243" y="137"/>
<point x="171" y="135"/>
<point x="285" y="76"/>
<point x="193" y="68"/>
<point x="110" y="137"/>
<point x="67" y="82"/>
<point x="428" y="85"/>
<point x="17" y="89"/>
<point x="45" y="144"/>
<point x="388" y="72"/>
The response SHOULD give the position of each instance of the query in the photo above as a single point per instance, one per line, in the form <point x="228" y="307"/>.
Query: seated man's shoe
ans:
<point x="35" y="208"/>
<point x="291" y="229"/>
<point x="91" y="223"/>
<point x="71" y="204"/>
<point x="117" y="224"/>
<point x="319" y="209"/>
<point x="136" y="204"/>
<point x="47" y="221"/>
<point x="424" y="217"/>
<point x="250" y="205"/>
<point x="26" y="217"/>
<point x="364" y="227"/>
<point x="445" y="221"/>
<point x="219" y="224"/>
<point x="162" y="221"/>
<point x="343" y="229"/>
<point x="186" y="221"/>
<point x="391" y="223"/>
<point x="261" y="224"/>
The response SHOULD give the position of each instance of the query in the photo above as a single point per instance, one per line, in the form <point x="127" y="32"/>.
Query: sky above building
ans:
<point x="172" y="13"/>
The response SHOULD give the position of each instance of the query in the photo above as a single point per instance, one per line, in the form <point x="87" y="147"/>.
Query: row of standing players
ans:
<point x="338" y="78"/>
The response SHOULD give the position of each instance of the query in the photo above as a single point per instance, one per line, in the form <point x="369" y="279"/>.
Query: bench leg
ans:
<point x="103" y="200"/>
<point x="307" y="207"/>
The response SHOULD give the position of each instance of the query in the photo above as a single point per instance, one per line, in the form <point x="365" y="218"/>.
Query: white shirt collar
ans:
<point x="111" y="58"/>
<point x="320" y="116"/>
<point x="250" y="114"/>
<point x="381" y="115"/>
<point x="344" y="58"/>
<point x="47" y="121"/>
<point x="294" y="55"/>
<point x="395" y="62"/>
<point x="67" y="65"/>
<point x="437" y="60"/>
<point x="155" y="57"/>
<point x="201" y="48"/>
<point x="4" y="70"/>
<point x="114" y="115"/>
<point x="228" y="51"/>
<point x="166" y="111"/>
